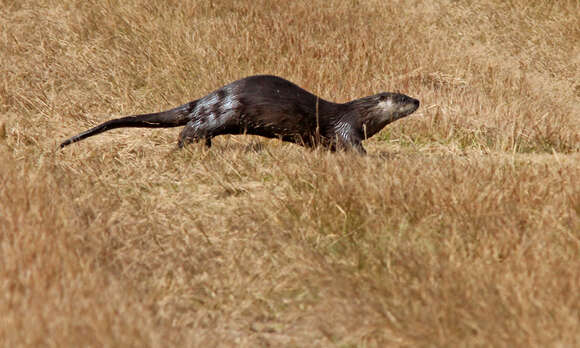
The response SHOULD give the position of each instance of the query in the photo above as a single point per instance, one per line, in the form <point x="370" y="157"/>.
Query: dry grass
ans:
<point x="461" y="227"/>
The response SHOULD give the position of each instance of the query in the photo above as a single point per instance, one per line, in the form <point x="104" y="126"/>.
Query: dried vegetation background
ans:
<point x="460" y="228"/>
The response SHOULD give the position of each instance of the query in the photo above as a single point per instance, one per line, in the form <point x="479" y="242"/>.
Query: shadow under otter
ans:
<point x="273" y="107"/>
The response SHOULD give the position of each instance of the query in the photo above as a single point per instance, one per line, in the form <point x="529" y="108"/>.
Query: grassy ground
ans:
<point x="460" y="228"/>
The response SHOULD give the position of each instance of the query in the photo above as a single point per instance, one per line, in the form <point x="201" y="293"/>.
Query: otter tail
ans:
<point x="165" y="119"/>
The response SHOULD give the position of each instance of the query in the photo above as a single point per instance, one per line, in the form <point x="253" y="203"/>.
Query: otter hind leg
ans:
<point x="191" y="134"/>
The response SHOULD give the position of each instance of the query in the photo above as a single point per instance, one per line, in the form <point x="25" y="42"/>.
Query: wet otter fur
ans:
<point x="273" y="107"/>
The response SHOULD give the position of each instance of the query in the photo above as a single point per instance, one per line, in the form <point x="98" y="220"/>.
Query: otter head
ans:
<point x="383" y="108"/>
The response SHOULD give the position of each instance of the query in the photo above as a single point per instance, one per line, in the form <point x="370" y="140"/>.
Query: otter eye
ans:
<point x="401" y="98"/>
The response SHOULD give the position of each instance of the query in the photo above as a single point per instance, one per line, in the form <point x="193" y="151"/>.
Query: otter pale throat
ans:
<point x="273" y="107"/>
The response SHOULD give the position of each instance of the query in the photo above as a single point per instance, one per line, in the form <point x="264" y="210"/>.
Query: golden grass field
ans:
<point x="460" y="228"/>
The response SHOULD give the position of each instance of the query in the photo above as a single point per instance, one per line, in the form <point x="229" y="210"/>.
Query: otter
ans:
<point x="273" y="107"/>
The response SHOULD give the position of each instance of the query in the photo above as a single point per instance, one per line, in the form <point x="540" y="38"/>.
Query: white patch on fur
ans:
<point x="213" y="121"/>
<point x="209" y="100"/>
<point x="343" y="129"/>
<point x="226" y="110"/>
<point x="229" y="105"/>
<point x="386" y="105"/>
<point x="205" y="104"/>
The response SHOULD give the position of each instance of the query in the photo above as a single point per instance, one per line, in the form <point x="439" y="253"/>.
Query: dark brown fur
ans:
<point x="272" y="107"/>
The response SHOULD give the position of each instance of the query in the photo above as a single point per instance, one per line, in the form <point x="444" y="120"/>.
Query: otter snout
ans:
<point x="404" y="105"/>
<point x="405" y="99"/>
<point x="414" y="103"/>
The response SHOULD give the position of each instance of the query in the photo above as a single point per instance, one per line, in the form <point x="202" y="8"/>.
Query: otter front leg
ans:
<point x="351" y="143"/>
<point x="193" y="134"/>
<point x="359" y="148"/>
